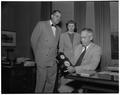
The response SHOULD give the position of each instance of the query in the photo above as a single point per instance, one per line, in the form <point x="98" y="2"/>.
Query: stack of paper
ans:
<point x="29" y="63"/>
<point x="109" y="75"/>
<point x="110" y="68"/>
<point x="87" y="73"/>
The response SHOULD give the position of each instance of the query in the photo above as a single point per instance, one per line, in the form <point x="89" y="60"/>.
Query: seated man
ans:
<point x="87" y="57"/>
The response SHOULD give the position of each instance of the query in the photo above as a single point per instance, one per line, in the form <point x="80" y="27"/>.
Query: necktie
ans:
<point x="78" y="63"/>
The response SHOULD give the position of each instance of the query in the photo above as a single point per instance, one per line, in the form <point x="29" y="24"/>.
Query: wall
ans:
<point x="90" y="17"/>
<point x="27" y="15"/>
<point x="21" y="18"/>
<point x="8" y="24"/>
<point x="7" y="17"/>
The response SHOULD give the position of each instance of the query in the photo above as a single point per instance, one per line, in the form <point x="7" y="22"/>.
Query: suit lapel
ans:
<point x="50" y="28"/>
<point x="77" y="52"/>
<point x="69" y="41"/>
<point x="89" y="49"/>
<point x="74" y="39"/>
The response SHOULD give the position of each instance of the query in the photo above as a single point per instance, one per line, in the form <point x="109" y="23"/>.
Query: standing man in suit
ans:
<point x="87" y="56"/>
<point x="44" y="42"/>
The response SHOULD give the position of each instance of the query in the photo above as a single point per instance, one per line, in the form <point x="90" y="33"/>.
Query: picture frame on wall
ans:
<point x="8" y="38"/>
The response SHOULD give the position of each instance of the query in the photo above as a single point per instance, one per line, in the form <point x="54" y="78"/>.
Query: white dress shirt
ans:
<point x="86" y="47"/>
<point x="53" y="28"/>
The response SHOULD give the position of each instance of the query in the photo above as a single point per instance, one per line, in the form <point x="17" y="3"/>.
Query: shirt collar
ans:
<point x="51" y="22"/>
<point x="88" y="46"/>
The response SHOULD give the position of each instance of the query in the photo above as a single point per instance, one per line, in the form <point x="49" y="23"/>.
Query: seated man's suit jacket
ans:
<point x="91" y="58"/>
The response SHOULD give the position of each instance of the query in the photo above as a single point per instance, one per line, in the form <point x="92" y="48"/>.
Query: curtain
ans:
<point x="102" y="30"/>
<point x="80" y="14"/>
<point x="46" y="8"/>
<point x="90" y="17"/>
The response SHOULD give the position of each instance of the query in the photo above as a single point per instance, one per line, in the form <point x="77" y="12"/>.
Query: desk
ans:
<point x="96" y="85"/>
<point x="18" y="79"/>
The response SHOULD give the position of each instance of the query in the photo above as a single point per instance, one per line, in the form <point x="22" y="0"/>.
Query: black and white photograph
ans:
<point x="60" y="47"/>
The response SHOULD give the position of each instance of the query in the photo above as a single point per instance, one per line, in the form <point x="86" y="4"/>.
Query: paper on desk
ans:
<point x="86" y="73"/>
<point x="22" y="59"/>
<point x="109" y="75"/>
<point x="110" y="68"/>
<point x="108" y="72"/>
<point x="29" y="63"/>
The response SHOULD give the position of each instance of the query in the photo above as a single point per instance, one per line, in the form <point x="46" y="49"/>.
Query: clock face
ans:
<point x="67" y="63"/>
<point x="62" y="56"/>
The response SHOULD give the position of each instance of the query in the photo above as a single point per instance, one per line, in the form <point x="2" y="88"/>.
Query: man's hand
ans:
<point x="71" y="69"/>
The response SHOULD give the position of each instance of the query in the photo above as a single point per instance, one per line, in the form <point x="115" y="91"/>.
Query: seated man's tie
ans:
<point x="78" y="63"/>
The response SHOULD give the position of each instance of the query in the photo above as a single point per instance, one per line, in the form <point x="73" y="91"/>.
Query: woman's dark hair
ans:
<point x="72" y="22"/>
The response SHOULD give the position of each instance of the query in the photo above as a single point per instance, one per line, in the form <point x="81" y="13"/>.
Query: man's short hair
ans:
<point x="89" y="30"/>
<point x="54" y="11"/>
